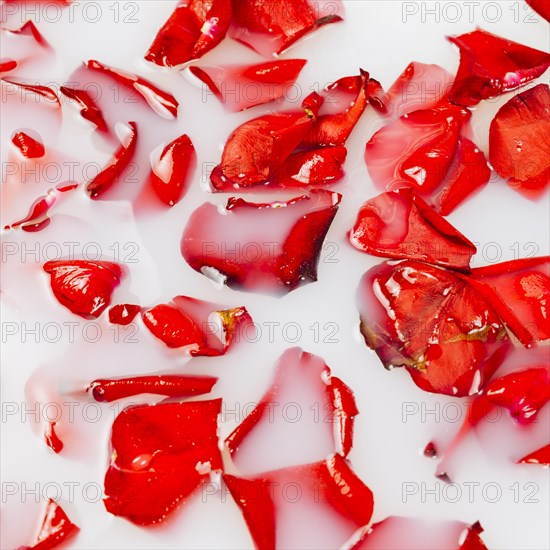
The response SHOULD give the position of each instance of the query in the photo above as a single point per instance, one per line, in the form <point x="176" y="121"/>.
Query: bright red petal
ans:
<point x="171" y="173"/>
<point x="540" y="456"/>
<point x="519" y="291"/>
<point x="271" y="27"/>
<point x="194" y="28"/>
<point x="167" y="385"/>
<point x="267" y="247"/>
<point x="123" y="314"/>
<point x="519" y="140"/>
<point x="542" y="7"/>
<point x="161" y="453"/>
<point x="88" y="108"/>
<point x="473" y="540"/>
<point x="433" y="323"/>
<point x="45" y="92"/>
<point x="28" y="146"/>
<point x="84" y="287"/>
<point x="491" y="65"/>
<point x="240" y="87"/>
<point x="399" y="224"/>
<point x="274" y="505"/>
<point x="113" y="171"/>
<point x="56" y="528"/>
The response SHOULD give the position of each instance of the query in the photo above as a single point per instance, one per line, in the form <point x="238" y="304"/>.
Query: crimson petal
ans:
<point x="540" y="456"/>
<point x="123" y="314"/>
<point x="43" y="91"/>
<point x="168" y="385"/>
<point x="542" y="7"/>
<point x="28" y="146"/>
<point x="113" y="171"/>
<point x="519" y="144"/>
<point x="29" y="29"/>
<point x="161" y="453"/>
<point x="267" y="247"/>
<point x="161" y="102"/>
<point x="432" y="322"/>
<point x="328" y="488"/>
<point x="194" y="28"/>
<point x="88" y="108"/>
<point x="84" y="287"/>
<point x="519" y="291"/>
<point x="491" y="65"/>
<point x="171" y="173"/>
<point x="271" y="27"/>
<point x="240" y="87"/>
<point x="399" y="224"/>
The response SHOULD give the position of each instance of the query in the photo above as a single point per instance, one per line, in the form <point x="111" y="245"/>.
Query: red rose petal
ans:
<point x="45" y="92"/>
<point x="519" y="291"/>
<point x="113" y="171"/>
<point x="345" y="100"/>
<point x="267" y="247"/>
<point x="56" y="528"/>
<point x="271" y="27"/>
<point x="161" y="102"/>
<point x="519" y="146"/>
<point x="276" y="503"/>
<point x="399" y="224"/>
<point x="82" y="286"/>
<point x="161" y="453"/>
<point x="415" y="150"/>
<point x="540" y="456"/>
<point x="310" y="168"/>
<point x="170" y="174"/>
<point x="403" y="533"/>
<point x="491" y="65"/>
<point x="522" y="393"/>
<point x="194" y="28"/>
<point x="257" y="148"/>
<point x="433" y="323"/>
<point x="88" y="108"/>
<point x="123" y="314"/>
<point x="468" y="173"/>
<point x="542" y="7"/>
<point x="52" y="439"/>
<point x="240" y="87"/>
<point x="473" y="540"/>
<point x="29" y="29"/>
<point x="168" y="385"/>
<point x="173" y="327"/>
<point x="28" y="146"/>
<point x="419" y="86"/>
<point x="303" y="382"/>
<point x="7" y="65"/>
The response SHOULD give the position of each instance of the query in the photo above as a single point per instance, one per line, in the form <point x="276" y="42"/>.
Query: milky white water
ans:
<point x="396" y="419"/>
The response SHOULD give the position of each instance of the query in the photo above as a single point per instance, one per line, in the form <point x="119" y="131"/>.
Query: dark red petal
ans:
<point x="540" y="456"/>
<point x="56" y="528"/>
<point x="329" y="488"/>
<point x="344" y="102"/>
<point x="304" y="381"/>
<point x="519" y="142"/>
<point x="123" y="314"/>
<point x="84" y="287"/>
<point x="160" y="455"/>
<point x="240" y="87"/>
<point x="170" y="174"/>
<point x="235" y="324"/>
<point x="542" y="7"/>
<point x="419" y="86"/>
<point x="519" y="291"/>
<point x="468" y="173"/>
<point x="308" y="168"/>
<point x="271" y="27"/>
<point x="167" y="385"/>
<point x="403" y="533"/>
<point x="399" y="224"/>
<point x="491" y="65"/>
<point x="161" y="102"/>
<point x="267" y="247"/>
<point x="28" y="146"/>
<point x="52" y="439"/>
<point x="473" y="540"/>
<point x="88" y="108"/>
<point x="173" y="327"/>
<point x="415" y="150"/>
<point x="257" y="148"/>
<point x="113" y="171"/>
<point x="522" y="393"/>
<point x="194" y="28"/>
<point x="43" y="91"/>
<point x="433" y="323"/>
